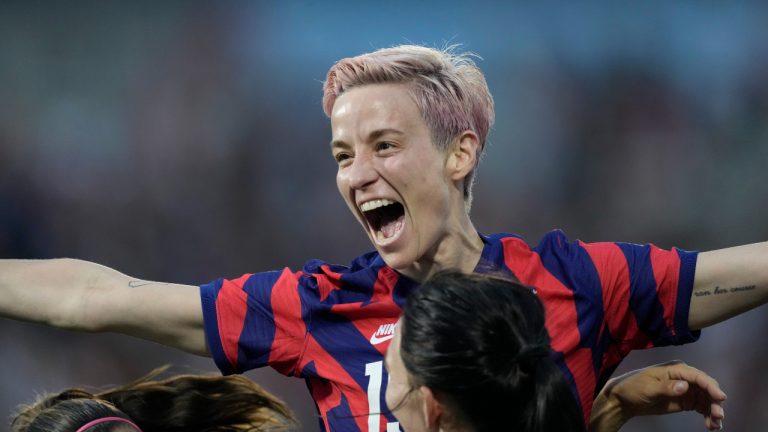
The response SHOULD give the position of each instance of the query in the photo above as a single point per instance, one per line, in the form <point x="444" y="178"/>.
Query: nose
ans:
<point x="361" y="172"/>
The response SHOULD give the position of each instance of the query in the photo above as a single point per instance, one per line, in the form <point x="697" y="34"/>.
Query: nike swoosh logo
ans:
<point x="375" y="340"/>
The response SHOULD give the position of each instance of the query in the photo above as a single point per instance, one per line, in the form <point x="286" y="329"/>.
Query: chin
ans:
<point x="402" y="261"/>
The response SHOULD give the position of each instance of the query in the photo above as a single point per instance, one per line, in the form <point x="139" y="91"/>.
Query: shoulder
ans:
<point x="364" y="262"/>
<point x="513" y="243"/>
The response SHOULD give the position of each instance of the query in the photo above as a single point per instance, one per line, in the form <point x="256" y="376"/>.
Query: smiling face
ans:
<point x="396" y="182"/>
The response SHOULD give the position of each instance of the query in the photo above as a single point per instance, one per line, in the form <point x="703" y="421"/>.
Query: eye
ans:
<point x="341" y="157"/>
<point x="384" y="145"/>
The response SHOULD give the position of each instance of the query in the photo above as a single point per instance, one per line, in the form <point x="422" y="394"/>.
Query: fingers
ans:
<point x="712" y="424"/>
<point x="681" y="371"/>
<point x="695" y="390"/>
<point x="678" y="388"/>
<point x="699" y="399"/>
<point x="716" y="416"/>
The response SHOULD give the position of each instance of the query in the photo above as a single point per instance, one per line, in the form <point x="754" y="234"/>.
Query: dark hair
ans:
<point x="480" y="342"/>
<point x="191" y="403"/>
<point x="67" y="412"/>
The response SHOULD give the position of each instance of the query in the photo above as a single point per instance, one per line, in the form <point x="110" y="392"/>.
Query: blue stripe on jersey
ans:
<point x="403" y="288"/>
<point x="570" y="264"/>
<point x="643" y="298"/>
<point x="684" y="291"/>
<point x="259" y="323"/>
<point x="340" y="418"/>
<point x="363" y="279"/>
<point x="208" y="294"/>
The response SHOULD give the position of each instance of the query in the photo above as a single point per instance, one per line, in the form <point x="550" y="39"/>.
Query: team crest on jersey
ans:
<point x="383" y="334"/>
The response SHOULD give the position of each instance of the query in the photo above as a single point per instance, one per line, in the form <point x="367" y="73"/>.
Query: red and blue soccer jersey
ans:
<point x="331" y="324"/>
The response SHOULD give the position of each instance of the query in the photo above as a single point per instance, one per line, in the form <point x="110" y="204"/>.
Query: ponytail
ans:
<point x="481" y="343"/>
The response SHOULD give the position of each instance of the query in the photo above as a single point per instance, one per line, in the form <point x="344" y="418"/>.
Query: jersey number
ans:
<point x="375" y="370"/>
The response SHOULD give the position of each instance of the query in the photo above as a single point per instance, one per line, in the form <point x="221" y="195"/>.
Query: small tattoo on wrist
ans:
<point x="139" y="283"/>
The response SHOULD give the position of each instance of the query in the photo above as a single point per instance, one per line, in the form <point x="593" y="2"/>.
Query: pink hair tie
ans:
<point x="90" y="424"/>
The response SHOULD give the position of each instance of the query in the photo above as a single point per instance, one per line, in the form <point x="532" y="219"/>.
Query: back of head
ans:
<point x="480" y="342"/>
<point x="449" y="89"/>
<point x="190" y="403"/>
<point x="70" y="411"/>
<point x="181" y="403"/>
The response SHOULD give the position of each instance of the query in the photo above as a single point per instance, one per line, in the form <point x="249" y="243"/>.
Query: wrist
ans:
<point x="608" y="413"/>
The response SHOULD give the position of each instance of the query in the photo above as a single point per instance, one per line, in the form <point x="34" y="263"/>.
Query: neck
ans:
<point x="459" y="249"/>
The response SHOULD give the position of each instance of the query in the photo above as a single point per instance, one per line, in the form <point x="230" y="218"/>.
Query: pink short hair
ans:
<point x="449" y="89"/>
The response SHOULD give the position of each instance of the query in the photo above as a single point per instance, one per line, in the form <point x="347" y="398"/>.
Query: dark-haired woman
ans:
<point x="189" y="403"/>
<point x="471" y="353"/>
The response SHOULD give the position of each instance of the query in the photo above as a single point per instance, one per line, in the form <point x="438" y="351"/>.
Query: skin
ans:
<point x="661" y="389"/>
<point x="384" y="150"/>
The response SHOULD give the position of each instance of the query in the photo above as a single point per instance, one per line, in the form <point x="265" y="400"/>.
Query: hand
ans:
<point x="664" y="389"/>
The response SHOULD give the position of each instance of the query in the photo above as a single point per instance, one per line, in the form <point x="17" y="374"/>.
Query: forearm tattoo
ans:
<point x="720" y="291"/>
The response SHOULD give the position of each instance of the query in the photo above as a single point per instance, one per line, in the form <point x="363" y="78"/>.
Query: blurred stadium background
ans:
<point x="184" y="141"/>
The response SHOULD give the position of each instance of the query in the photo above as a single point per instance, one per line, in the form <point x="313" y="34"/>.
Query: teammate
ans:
<point x="454" y="369"/>
<point x="409" y="125"/>
<point x="188" y="403"/>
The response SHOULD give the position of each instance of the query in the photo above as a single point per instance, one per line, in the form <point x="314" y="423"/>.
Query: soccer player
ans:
<point x="409" y="125"/>
<point x="453" y="369"/>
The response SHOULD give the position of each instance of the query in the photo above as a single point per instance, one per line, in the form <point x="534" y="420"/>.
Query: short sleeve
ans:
<point x="254" y="321"/>
<point x="646" y="292"/>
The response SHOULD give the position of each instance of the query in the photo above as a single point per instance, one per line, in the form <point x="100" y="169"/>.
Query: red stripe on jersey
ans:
<point x="579" y="362"/>
<point x="290" y="330"/>
<point x="561" y="317"/>
<point x="328" y="394"/>
<point x="613" y="270"/>
<point x="231" y="308"/>
<point x="325" y="285"/>
<point x="666" y="271"/>
<point x="385" y="284"/>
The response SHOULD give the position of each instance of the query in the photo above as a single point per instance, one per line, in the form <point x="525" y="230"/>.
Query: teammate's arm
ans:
<point x="662" y="389"/>
<point x="80" y="295"/>
<point x="728" y="282"/>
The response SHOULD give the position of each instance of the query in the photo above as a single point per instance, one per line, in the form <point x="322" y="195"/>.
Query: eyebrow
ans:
<point x="373" y="136"/>
<point x="378" y="133"/>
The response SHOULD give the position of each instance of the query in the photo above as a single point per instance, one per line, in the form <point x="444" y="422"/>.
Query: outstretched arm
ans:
<point x="661" y="389"/>
<point x="80" y="295"/>
<point x="728" y="282"/>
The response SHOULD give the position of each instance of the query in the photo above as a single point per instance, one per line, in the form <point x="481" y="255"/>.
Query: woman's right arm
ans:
<point x="84" y="296"/>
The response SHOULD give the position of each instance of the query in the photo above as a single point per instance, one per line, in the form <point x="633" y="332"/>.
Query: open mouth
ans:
<point x="385" y="217"/>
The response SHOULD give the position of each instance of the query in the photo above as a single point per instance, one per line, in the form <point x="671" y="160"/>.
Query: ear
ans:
<point x="433" y="410"/>
<point x="462" y="155"/>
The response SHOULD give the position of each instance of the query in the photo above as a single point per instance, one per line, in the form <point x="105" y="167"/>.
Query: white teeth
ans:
<point x="374" y="204"/>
